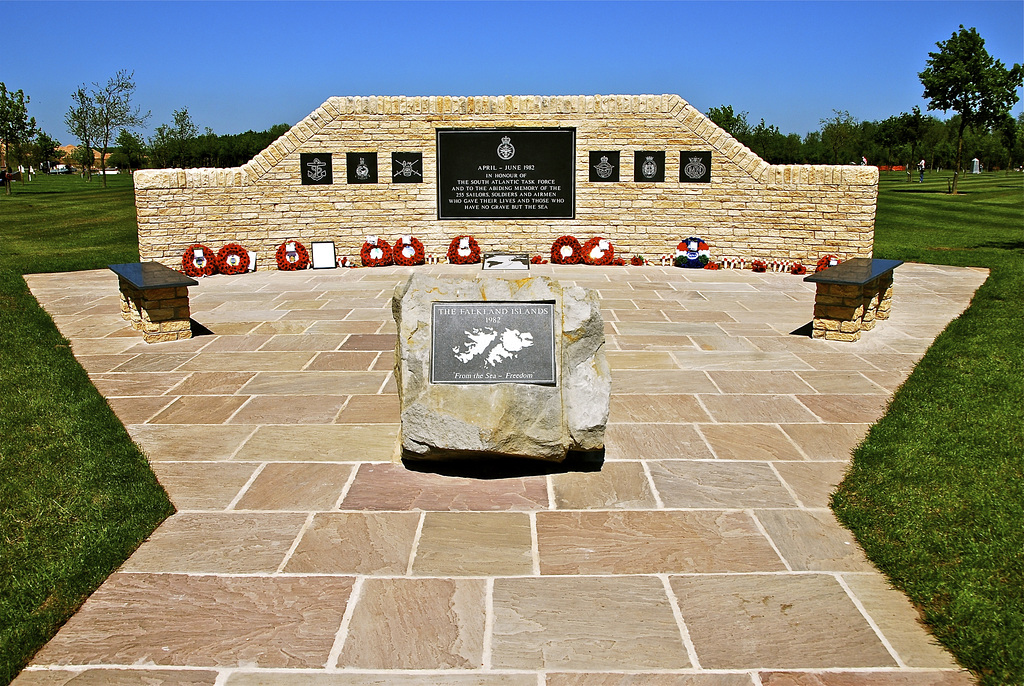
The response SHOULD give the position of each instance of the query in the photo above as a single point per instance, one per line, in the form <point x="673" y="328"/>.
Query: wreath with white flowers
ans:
<point x="598" y="251"/>
<point x="463" y="250"/>
<point x="693" y="253"/>
<point x="376" y="253"/>
<point x="408" y="252"/>
<point x="198" y="260"/>
<point x="566" y="250"/>
<point x="292" y="256"/>
<point x="825" y="262"/>
<point x="232" y="259"/>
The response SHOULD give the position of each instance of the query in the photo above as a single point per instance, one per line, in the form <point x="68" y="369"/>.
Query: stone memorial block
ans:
<point x="492" y="367"/>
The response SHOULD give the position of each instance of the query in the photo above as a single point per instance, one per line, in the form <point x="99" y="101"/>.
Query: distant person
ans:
<point x="920" y="169"/>
<point x="863" y="160"/>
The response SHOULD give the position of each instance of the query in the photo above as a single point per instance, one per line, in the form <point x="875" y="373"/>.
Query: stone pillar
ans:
<point x="162" y="314"/>
<point x="842" y="311"/>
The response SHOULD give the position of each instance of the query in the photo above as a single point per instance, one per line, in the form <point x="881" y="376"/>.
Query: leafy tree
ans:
<point x="963" y="77"/>
<point x="45" y="149"/>
<point x="113" y="110"/>
<point x="81" y="122"/>
<point x="838" y="135"/>
<point x="734" y="124"/>
<point x="130" y="151"/>
<point x="16" y="127"/>
<point x="171" y="144"/>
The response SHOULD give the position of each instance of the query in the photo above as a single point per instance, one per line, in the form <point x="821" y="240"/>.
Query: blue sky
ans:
<point x="250" y="65"/>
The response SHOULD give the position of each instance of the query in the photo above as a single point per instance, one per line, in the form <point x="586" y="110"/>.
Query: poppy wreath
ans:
<point x="826" y="262"/>
<point x="798" y="269"/>
<point x="759" y="266"/>
<point x="636" y="260"/>
<point x="238" y="265"/>
<point x="408" y="252"/>
<point x="619" y="262"/>
<point x="537" y="259"/>
<point x="694" y="253"/>
<point x="566" y="250"/>
<point x="376" y="254"/>
<point x="463" y="250"/>
<point x="712" y="265"/>
<point x="192" y="266"/>
<point x="292" y="260"/>
<point x="598" y="251"/>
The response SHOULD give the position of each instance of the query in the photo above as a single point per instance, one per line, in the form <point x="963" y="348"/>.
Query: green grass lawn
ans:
<point x="76" y="495"/>
<point x="935" y="493"/>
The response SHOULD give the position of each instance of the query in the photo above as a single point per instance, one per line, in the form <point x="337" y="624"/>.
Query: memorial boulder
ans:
<point x="499" y="367"/>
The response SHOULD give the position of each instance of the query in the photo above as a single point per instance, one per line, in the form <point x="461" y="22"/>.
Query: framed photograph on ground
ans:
<point x="323" y="255"/>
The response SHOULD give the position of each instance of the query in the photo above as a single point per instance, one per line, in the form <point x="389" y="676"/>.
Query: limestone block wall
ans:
<point x="750" y="209"/>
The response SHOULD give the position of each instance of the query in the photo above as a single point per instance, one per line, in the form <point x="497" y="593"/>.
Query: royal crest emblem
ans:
<point x="362" y="171"/>
<point x="649" y="168"/>
<point x="317" y="170"/>
<point x="506" y="150"/>
<point x="695" y="169"/>
<point x="406" y="170"/>
<point x="604" y="169"/>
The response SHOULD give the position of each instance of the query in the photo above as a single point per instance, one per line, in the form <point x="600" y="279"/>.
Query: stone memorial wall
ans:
<point x="515" y="172"/>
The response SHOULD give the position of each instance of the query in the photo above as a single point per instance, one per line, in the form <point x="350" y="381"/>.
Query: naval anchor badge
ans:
<point x="362" y="167"/>
<point x="406" y="167"/>
<point x="695" y="166"/>
<point x="506" y="150"/>
<point x="604" y="165"/>
<point x="649" y="166"/>
<point x="315" y="168"/>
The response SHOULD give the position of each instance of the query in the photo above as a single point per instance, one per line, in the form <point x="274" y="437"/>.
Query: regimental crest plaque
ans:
<point x="649" y="166"/>
<point x="492" y="342"/>
<point x="315" y="168"/>
<point x="695" y="166"/>
<point x="406" y="167"/>
<point x="361" y="167"/>
<point x="604" y="165"/>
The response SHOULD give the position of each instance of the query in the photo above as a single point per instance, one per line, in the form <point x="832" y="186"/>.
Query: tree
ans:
<point x="838" y="134"/>
<point x="81" y="122"/>
<point x="16" y="127"/>
<point x="734" y="124"/>
<point x="171" y="144"/>
<point x="129" y="152"/>
<point x="963" y="77"/>
<point x="45" y="149"/>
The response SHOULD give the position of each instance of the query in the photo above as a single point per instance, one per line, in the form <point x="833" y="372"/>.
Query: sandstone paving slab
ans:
<point x="618" y="485"/>
<point x="846" y="408"/>
<point x="746" y="408"/>
<point x="747" y="360"/>
<point x="304" y="341"/>
<point x="200" y="409"/>
<point x="370" y="326"/>
<point x="645" y="359"/>
<point x="212" y="383"/>
<point x="718" y="483"/>
<point x="189" y="441"/>
<point x="812" y="482"/>
<point x="247" y="342"/>
<point x="771" y="382"/>
<point x="393" y="487"/>
<point x="394" y="678"/>
<point x="673" y="408"/>
<point x="138" y="410"/>
<point x="812" y="540"/>
<point x="111" y="345"/>
<point x="117" y="677"/>
<point x="640" y="441"/>
<point x="899" y="621"/>
<point x="202" y="485"/>
<point x="296" y="486"/>
<point x="645" y="679"/>
<point x="248" y="361"/>
<point x="369" y="543"/>
<point x="668" y="343"/>
<point x="153" y="383"/>
<point x="826" y="441"/>
<point x="652" y="542"/>
<point x="155" y="362"/>
<point x="314" y="383"/>
<point x="371" y="409"/>
<point x="867" y="678"/>
<point x="416" y="624"/>
<point x="735" y="622"/>
<point x="720" y="342"/>
<point x="359" y="341"/>
<point x="292" y="326"/>
<point x="225" y="543"/>
<point x="628" y="624"/>
<point x="347" y="361"/>
<point x="750" y="442"/>
<point x="290" y="409"/>
<point x="658" y="381"/>
<point x="474" y="544"/>
<point x="165" y="619"/>
<point x="840" y="382"/>
<point x="327" y="443"/>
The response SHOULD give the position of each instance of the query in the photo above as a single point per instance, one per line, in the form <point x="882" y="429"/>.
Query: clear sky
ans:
<point x="249" y="65"/>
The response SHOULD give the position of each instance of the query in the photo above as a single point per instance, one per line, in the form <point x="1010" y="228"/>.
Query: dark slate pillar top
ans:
<point x="855" y="272"/>
<point x="149" y="275"/>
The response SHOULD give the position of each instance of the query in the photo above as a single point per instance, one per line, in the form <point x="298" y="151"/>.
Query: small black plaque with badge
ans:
<point x="604" y="165"/>
<point x="695" y="166"/>
<point x="492" y="342"/>
<point x="649" y="166"/>
<point x="361" y="166"/>
<point x="406" y="167"/>
<point x="315" y="168"/>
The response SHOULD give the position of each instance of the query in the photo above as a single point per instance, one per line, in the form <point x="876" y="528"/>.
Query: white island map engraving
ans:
<point x="482" y="342"/>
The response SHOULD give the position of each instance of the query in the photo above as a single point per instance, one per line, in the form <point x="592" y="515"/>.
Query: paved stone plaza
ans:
<point x="304" y="553"/>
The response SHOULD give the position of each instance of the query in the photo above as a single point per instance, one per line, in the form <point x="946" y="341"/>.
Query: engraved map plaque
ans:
<point x="492" y="342"/>
<point x="516" y="173"/>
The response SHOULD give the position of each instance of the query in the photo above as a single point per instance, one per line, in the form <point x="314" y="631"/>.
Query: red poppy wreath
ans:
<point x="198" y="260"/>
<point x="463" y="250"/>
<point x="826" y="262"/>
<point x="376" y="253"/>
<point x="408" y="252"/>
<point x="291" y="256"/>
<point x="232" y="259"/>
<point x="598" y="251"/>
<point x="566" y="250"/>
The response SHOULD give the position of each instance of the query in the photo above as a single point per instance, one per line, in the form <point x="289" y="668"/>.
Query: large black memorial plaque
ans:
<point x="492" y="342"/>
<point x="518" y="173"/>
